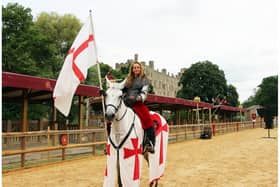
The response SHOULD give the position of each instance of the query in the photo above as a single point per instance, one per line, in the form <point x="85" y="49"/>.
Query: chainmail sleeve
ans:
<point x="145" y="89"/>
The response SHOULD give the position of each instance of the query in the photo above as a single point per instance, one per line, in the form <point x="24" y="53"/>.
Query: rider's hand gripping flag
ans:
<point x="81" y="56"/>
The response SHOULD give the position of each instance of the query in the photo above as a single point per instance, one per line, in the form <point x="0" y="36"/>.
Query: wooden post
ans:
<point x="202" y="115"/>
<point x="213" y="129"/>
<point x="40" y="129"/>
<point x="193" y="129"/>
<point x="63" y="153"/>
<point x="185" y="131"/>
<point x="87" y="113"/>
<point x="9" y="129"/>
<point x="93" y="140"/>
<point x="24" y="124"/>
<point x="56" y="137"/>
<point x="80" y="112"/>
<point x="188" y="120"/>
<point x="240" y="117"/>
<point x="176" y="120"/>
<point x="54" y="114"/>
<point x="48" y="142"/>
<point x="177" y="134"/>
<point x="179" y="117"/>
<point x="210" y="115"/>
<point x="80" y="116"/>
<point x="192" y="117"/>
<point x="54" y="125"/>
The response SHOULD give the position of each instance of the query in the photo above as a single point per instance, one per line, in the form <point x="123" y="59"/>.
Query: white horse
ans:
<point x="124" y="147"/>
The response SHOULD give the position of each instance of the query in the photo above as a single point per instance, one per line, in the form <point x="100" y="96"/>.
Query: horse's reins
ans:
<point x="130" y="129"/>
<point x="122" y="116"/>
<point x="117" y="108"/>
<point x="125" y="138"/>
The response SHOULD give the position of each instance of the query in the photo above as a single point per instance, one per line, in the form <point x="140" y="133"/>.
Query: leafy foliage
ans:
<point x="34" y="48"/>
<point x="59" y="33"/>
<point x="249" y="102"/>
<point x="203" y="79"/>
<point x="267" y="94"/>
<point x="17" y="39"/>
<point x="232" y="96"/>
<point x="11" y="111"/>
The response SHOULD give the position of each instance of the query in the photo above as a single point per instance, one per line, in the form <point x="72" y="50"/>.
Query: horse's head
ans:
<point x="113" y="98"/>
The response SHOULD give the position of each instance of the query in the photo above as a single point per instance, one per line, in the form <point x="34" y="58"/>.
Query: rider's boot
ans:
<point x="150" y="140"/>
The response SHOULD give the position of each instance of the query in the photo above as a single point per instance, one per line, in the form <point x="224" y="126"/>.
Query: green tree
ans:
<point x="12" y="111"/>
<point x="123" y="72"/>
<point x="93" y="79"/>
<point x="203" y="79"/>
<point x="232" y="96"/>
<point x="151" y="89"/>
<point x="35" y="49"/>
<point x="59" y="32"/>
<point x="249" y="102"/>
<point x="26" y="49"/>
<point x="267" y="94"/>
<point x="18" y="36"/>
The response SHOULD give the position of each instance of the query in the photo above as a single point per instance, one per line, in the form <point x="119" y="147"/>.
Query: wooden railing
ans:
<point x="38" y="144"/>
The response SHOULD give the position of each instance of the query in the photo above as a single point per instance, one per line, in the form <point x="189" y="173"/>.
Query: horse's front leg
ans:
<point x="119" y="170"/>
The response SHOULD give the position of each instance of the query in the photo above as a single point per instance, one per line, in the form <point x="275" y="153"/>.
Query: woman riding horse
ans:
<point x="135" y="93"/>
<point x="126" y="141"/>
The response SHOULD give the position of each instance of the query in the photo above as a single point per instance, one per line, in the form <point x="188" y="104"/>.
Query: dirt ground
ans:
<point x="246" y="158"/>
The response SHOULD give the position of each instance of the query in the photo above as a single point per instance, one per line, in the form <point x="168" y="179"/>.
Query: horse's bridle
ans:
<point x="117" y="108"/>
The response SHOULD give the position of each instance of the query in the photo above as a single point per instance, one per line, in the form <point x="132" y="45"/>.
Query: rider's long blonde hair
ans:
<point x="131" y="76"/>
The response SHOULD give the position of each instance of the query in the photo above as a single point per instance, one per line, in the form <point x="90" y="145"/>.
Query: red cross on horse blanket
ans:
<point x="158" y="159"/>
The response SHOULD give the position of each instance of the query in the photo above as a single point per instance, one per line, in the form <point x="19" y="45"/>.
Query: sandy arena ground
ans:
<point x="246" y="158"/>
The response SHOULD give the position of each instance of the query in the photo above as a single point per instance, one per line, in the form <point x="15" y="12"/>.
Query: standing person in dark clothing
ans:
<point x="135" y="93"/>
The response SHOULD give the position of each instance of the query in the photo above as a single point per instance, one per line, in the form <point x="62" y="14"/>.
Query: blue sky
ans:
<point x="239" y="36"/>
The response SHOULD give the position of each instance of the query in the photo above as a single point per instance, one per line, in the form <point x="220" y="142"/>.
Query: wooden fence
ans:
<point x="27" y="149"/>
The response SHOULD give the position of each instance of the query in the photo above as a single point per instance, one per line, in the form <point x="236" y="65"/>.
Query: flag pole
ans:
<point x="99" y="77"/>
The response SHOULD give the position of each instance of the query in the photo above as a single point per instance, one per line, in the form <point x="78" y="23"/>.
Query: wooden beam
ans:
<point x="210" y="115"/>
<point x="51" y="148"/>
<point x="24" y="124"/>
<point x="81" y="98"/>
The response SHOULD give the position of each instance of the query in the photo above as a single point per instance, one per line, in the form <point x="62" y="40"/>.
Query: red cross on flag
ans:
<point x="81" y="56"/>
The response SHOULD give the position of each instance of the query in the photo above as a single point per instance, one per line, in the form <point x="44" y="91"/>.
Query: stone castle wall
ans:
<point x="164" y="84"/>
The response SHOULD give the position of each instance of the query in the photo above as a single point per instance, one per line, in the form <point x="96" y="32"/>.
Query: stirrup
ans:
<point x="149" y="147"/>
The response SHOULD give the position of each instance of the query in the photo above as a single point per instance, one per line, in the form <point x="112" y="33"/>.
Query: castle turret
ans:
<point x="151" y="64"/>
<point x="136" y="58"/>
